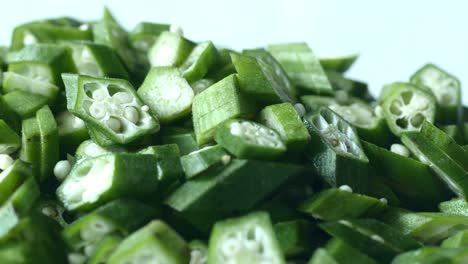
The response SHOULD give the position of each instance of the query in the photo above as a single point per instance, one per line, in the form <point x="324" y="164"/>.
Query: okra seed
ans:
<point x="62" y="169"/>
<point x="29" y="39"/>
<point x="176" y="29"/>
<point x="89" y="250"/>
<point x="114" y="124"/>
<point x="346" y="188"/>
<point x="97" y="111"/>
<point x="252" y="245"/>
<point x="123" y="97"/>
<point x="145" y="108"/>
<point x="300" y="109"/>
<point x="400" y="150"/>
<point x="377" y="238"/>
<point x="76" y="258"/>
<point x="378" y="111"/>
<point x="78" y="122"/>
<point x="230" y="247"/>
<point x="383" y="200"/>
<point x="131" y="114"/>
<point x="99" y="94"/>
<point x="49" y="211"/>
<point x="225" y="159"/>
<point x="5" y="161"/>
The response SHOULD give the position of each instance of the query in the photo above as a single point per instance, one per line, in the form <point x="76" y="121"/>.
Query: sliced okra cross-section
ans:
<point x="248" y="139"/>
<point x="199" y="61"/>
<point x="90" y="149"/>
<point x="170" y="49"/>
<point x="154" y="242"/>
<point x="111" y="106"/>
<point x="10" y="141"/>
<point x="335" y="151"/>
<point x="456" y="206"/>
<point x="406" y="106"/>
<point x="446" y="89"/>
<point x="247" y="239"/>
<point x="13" y="81"/>
<point x="95" y="181"/>
<point x="167" y="93"/>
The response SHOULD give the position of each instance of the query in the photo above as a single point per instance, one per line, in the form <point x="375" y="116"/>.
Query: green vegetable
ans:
<point x="295" y="237"/>
<point x="198" y="161"/>
<point x="10" y="141"/>
<point x="343" y="252"/>
<point x="170" y="49"/>
<point x="340" y="64"/>
<point x="24" y="104"/>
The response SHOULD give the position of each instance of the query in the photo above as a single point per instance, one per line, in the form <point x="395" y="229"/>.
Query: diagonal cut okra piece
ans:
<point x="295" y="237"/>
<point x="339" y="64"/>
<point x="9" y="141"/>
<point x="199" y="61"/>
<point x="12" y="177"/>
<point x="170" y="49"/>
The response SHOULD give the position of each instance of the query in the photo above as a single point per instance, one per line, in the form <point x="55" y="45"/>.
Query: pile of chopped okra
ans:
<point x="146" y="147"/>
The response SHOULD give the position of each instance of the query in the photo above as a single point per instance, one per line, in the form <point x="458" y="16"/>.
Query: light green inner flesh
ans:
<point x="256" y="134"/>
<point x="444" y="87"/>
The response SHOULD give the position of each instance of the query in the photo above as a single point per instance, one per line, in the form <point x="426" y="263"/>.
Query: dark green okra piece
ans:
<point x="223" y="66"/>
<point x="249" y="140"/>
<point x="339" y="63"/>
<point x="199" y="61"/>
<point x="94" y="181"/>
<point x="334" y="204"/>
<point x="24" y="104"/>
<point x="247" y="239"/>
<point x="155" y="241"/>
<point x="111" y="106"/>
<point x="170" y="49"/>
<point x="296" y="237"/>
<point x="446" y="89"/>
<point x="302" y="67"/>
<point x="52" y="209"/>
<point x="12" y="177"/>
<point x="373" y="237"/>
<point x="184" y="138"/>
<point x="342" y="252"/>
<point x="198" y="161"/>
<point x="335" y="151"/>
<point x="144" y="34"/>
<point x="9" y="141"/>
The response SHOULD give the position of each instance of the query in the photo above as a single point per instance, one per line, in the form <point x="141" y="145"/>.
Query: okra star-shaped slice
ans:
<point x="109" y="105"/>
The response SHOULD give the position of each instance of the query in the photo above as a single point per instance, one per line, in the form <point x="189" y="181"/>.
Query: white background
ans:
<point x="394" y="38"/>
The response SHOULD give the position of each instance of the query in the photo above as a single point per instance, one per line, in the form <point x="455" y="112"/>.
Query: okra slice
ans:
<point x="9" y="141"/>
<point x="198" y="161"/>
<point x="405" y="107"/>
<point x="335" y="151"/>
<point x="246" y="239"/>
<point x="167" y="93"/>
<point x="40" y="143"/>
<point x="295" y="237"/>
<point x="97" y="60"/>
<point x="199" y="61"/>
<point x="373" y="237"/>
<point x="155" y="242"/>
<point x="313" y="103"/>
<point x="170" y="49"/>
<point x="460" y="239"/>
<point x="338" y="203"/>
<point x="321" y="256"/>
<point x="198" y="252"/>
<point x="24" y="104"/>
<point x="446" y="89"/>
<point x="249" y="140"/>
<point x="12" y="177"/>
<point x="413" y="182"/>
<point x="95" y="181"/>
<point x="339" y="63"/>
<point x="457" y="206"/>
<point x="182" y="137"/>
<point x="89" y="149"/>
<point x="143" y="36"/>
<point x="217" y="104"/>
<point x="302" y="66"/>
<point x="117" y="218"/>
<point x="350" y="87"/>
<point x="201" y="85"/>
<point x="285" y="120"/>
<point x="342" y="252"/>
<point x="13" y="82"/>
<point x="109" y="105"/>
<point x="104" y="249"/>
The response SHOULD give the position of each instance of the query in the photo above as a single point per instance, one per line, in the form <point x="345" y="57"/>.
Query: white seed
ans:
<point x="62" y="169"/>
<point x="252" y="245"/>
<point x="400" y="150"/>
<point x="89" y="250"/>
<point x="230" y="247"/>
<point x="78" y="123"/>
<point x="76" y="258"/>
<point x="97" y="111"/>
<point x="123" y="97"/>
<point x="84" y="27"/>
<point x="114" y="124"/>
<point x="377" y="238"/>
<point x="237" y="129"/>
<point x="29" y="39"/>
<point x="225" y="159"/>
<point x="176" y="29"/>
<point x="99" y="94"/>
<point x="383" y="200"/>
<point x="346" y="188"/>
<point x="145" y="108"/>
<point x="5" y="161"/>
<point x="300" y="109"/>
<point x="49" y="211"/>
<point x="378" y="111"/>
<point x="131" y="114"/>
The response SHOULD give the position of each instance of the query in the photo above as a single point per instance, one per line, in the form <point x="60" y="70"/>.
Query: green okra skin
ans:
<point x="13" y="82"/>
<point x="285" y="120"/>
<point x="351" y="87"/>
<point x="24" y="104"/>
<point x="112" y="176"/>
<point x="9" y="141"/>
<point x="170" y="49"/>
<point x="198" y="161"/>
<point x="155" y="241"/>
<point x="223" y="66"/>
<point x="334" y="204"/>
<point x="97" y="60"/>
<point x="376" y="239"/>
<point x="12" y="177"/>
<point x="406" y="106"/>
<point x="342" y="252"/>
<point x="35" y="239"/>
<point x="109" y="106"/>
<point x="455" y="132"/>
<point x="338" y="64"/>
<point x="52" y="209"/>
<point x="144" y="34"/>
<point x="446" y="89"/>
<point x="247" y="239"/>
<point x="198" y="252"/>
<point x="431" y="254"/>
<point x="72" y="132"/>
<point x="321" y="256"/>
<point x="217" y="104"/>
<point x="295" y="237"/>
<point x="199" y="61"/>
<point x="104" y="249"/>
<point x="302" y="67"/>
<point x="456" y="206"/>
<point x="422" y="190"/>
<point x="458" y="240"/>
<point x="9" y="116"/>
<point x="335" y="151"/>
<point x="167" y="93"/>
<point x="182" y="137"/>
<point x="249" y="140"/>
<point x="312" y="103"/>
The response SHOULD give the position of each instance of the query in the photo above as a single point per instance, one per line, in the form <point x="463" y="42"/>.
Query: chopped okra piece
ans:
<point x="423" y="189"/>
<point x="460" y="239"/>
<point x="201" y="85"/>
<point x="295" y="237"/>
<point x="199" y="61"/>
<point x="72" y="131"/>
<point x="286" y="121"/>
<point x="167" y="93"/>
<point x="247" y="239"/>
<point x="95" y="181"/>
<point x="343" y="252"/>
<point x="117" y="218"/>
<point x="431" y="254"/>
<point x="40" y="143"/>
<point x="143" y="36"/>
<point x="97" y="60"/>
<point x="302" y="66"/>
<point x="155" y="242"/>
<point x="349" y="86"/>
<point x="339" y="64"/>
<point x="170" y="49"/>
<point x="12" y="177"/>
<point x="406" y="106"/>
<point x="183" y="138"/>
<point x="13" y="82"/>
<point x="334" y="204"/>
<point x="321" y="256"/>
<point x="455" y="132"/>
<point x="109" y="105"/>
<point x="25" y="104"/>
<point x="198" y="252"/>
<point x="457" y="206"/>
<point x="203" y="159"/>
<point x="89" y="149"/>
<point x="104" y="249"/>
<point x="217" y="104"/>
<point x="446" y="89"/>
<point x="9" y="141"/>
<point x="335" y="151"/>
<point x="313" y="103"/>
<point x="373" y="237"/>
<point x="247" y="139"/>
